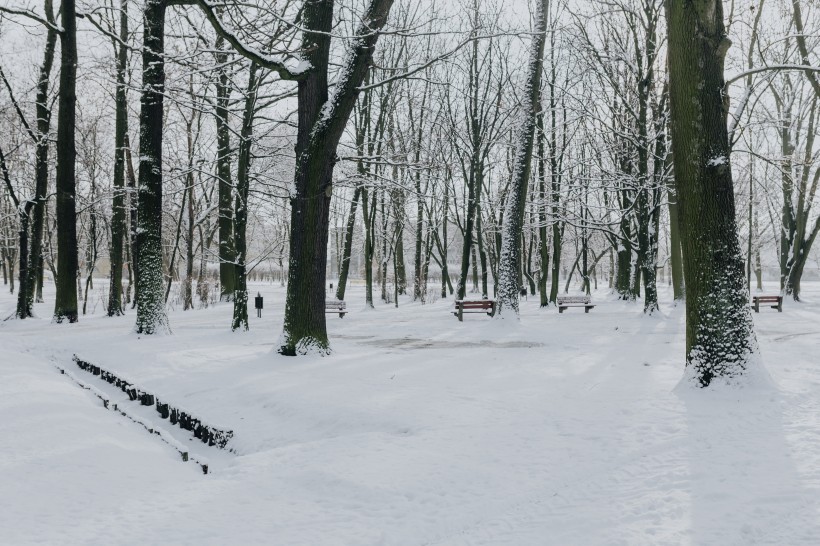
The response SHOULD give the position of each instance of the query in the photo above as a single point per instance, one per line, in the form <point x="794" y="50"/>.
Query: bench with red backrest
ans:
<point x="474" y="306"/>
<point x="777" y="300"/>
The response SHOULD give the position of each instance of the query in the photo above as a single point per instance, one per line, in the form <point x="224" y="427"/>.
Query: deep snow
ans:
<point x="419" y="430"/>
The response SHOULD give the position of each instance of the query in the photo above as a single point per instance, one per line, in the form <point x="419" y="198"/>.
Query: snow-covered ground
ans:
<point x="419" y="430"/>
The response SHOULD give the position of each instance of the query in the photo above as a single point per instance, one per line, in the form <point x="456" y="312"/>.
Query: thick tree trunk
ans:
<point x="151" y="316"/>
<point x="514" y="212"/>
<point x="321" y="123"/>
<point x="720" y="340"/>
<point x="65" y="307"/>
<point x="118" y="223"/>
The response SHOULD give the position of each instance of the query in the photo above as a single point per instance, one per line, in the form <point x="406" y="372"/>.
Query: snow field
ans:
<point x="563" y="429"/>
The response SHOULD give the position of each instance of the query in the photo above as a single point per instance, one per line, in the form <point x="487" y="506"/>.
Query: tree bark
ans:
<point x="720" y="340"/>
<point x="118" y="223"/>
<point x="43" y="113"/>
<point x="543" y="248"/>
<point x="188" y="287"/>
<point x="344" y="269"/>
<point x="676" y="259"/>
<point x="240" y="300"/>
<point x="227" y="268"/>
<point x="151" y="316"/>
<point x="320" y="125"/>
<point x="65" y="306"/>
<point x="132" y="216"/>
<point x="510" y="256"/>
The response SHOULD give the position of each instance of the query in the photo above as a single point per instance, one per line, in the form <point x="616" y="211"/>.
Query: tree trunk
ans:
<point x="417" y="286"/>
<point x="227" y="269"/>
<point x="369" y="214"/>
<point x="445" y="274"/>
<point x="542" y="213"/>
<point x="400" y="272"/>
<point x="344" y="269"/>
<point x="65" y="307"/>
<point x="675" y="242"/>
<point x="151" y="316"/>
<point x="91" y="255"/>
<point x="188" y="286"/>
<point x="240" y="300"/>
<point x="720" y="340"/>
<point x="467" y="247"/>
<point x="23" y="213"/>
<point x="320" y="126"/>
<point x="510" y="256"/>
<point x="118" y="225"/>
<point x="35" y="265"/>
<point x="132" y="217"/>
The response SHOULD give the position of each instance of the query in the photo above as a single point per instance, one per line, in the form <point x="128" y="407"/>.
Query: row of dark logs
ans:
<point x="208" y="434"/>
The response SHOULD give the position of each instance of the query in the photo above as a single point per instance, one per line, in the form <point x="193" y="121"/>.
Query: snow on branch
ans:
<point x="277" y="65"/>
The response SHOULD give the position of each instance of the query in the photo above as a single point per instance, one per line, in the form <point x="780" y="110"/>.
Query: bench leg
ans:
<point x="561" y="309"/>
<point x="586" y="309"/>
<point x="757" y="307"/>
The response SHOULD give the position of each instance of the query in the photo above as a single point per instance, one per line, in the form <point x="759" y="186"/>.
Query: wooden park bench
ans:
<point x="336" y="306"/>
<point x="474" y="306"/>
<point x="574" y="301"/>
<point x="757" y="300"/>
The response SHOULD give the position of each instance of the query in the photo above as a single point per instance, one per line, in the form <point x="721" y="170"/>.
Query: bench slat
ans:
<point x="572" y="299"/>
<point x="757" y="300"/>
<point x="474" y="306"/>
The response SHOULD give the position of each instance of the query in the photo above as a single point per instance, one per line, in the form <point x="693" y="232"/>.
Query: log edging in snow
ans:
<point x="207" y="434"/>
<point x="147" y="425"/>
